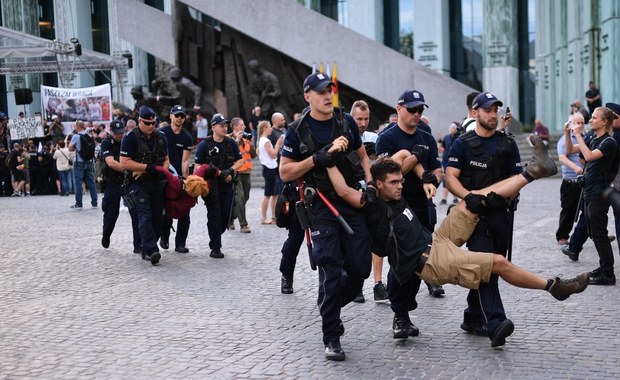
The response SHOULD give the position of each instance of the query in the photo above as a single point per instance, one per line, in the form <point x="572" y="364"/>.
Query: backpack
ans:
<point x="87" y="147"/>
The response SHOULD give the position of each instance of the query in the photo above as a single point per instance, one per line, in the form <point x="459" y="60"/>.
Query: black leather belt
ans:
<point x="423" y="258"/>
<point x="570" y="182"/>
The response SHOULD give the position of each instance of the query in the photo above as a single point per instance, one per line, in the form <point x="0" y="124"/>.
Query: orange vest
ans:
<point x="247" y="158"/>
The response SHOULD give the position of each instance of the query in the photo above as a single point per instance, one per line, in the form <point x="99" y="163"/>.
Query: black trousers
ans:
<point x="569" y="201"/>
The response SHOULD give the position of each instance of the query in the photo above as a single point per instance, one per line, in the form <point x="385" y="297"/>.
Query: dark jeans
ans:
<point x="596" y="216"/>
<point x="84" y="171"/>
<point x="402" y="296"/>
<point x="570" y="193"/>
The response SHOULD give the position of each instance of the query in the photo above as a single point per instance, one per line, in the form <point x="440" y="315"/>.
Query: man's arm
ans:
<point x="453" y="184"/>
<point x="113" y="164"/>
<point x="185" y="163"/>
<point x="291" y="170"/>
<point x="564" y="160"/>
<point x="349" y="194"/>
<point x="361" y="151"/>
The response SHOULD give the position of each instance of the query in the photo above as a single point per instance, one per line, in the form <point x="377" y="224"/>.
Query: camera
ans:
<point x="247" y="136"/>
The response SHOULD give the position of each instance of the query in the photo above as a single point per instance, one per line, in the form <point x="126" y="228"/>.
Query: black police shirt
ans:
<point x="395" y="139"/>
<point x="106" y="149"/>
<point x="322" y="131"/>
<point x="130" y="145"/>
<point x="177" y="143"/>
<point x="213" y="149"/>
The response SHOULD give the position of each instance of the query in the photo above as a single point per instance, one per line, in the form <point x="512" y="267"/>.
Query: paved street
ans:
<point x="71" y="309"/>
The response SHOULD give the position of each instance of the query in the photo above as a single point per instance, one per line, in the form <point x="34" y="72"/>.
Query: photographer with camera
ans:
<point x="244" y="182"/>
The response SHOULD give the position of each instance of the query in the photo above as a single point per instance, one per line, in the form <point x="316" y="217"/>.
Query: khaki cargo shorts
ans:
<point x="449" y="264"/>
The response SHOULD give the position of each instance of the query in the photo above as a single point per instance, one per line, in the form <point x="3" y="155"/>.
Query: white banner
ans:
<point x="72" y="104"/>
<point x="25" y="128"/>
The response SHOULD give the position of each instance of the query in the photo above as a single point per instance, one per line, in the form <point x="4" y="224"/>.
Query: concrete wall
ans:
<point x="309" y="37"/>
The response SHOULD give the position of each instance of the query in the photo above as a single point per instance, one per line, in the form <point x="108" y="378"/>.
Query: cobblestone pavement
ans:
<point x="71" y="309"/>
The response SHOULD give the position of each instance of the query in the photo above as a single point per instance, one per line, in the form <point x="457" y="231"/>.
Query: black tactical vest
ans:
<point x="109" y="174"/>
<point x="484" y="169"/>
<point x="222" y="159"/>
<point x="349" y="163"/>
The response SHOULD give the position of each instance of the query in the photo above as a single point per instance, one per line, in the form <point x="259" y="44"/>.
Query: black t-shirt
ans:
<point x="177" y="144"/>
<point x="596" y="103"/>
<point x="407" y="242"/>
<point x="597" y="178"/>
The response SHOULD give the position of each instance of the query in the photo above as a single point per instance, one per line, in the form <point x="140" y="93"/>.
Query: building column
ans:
<point x="500" y="52"/>
<point x="431" y="35"/>
<point x="610" y="51"/>
<point x="366" y="18"/>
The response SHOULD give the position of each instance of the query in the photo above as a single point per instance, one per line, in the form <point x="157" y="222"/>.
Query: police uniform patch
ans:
<point x="408" y="214"/>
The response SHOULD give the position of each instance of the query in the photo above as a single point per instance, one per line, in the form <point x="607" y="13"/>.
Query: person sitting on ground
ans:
<point x="412" y="250"/>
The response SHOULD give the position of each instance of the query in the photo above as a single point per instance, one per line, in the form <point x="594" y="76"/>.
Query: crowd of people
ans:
<point x="354" y="193"/>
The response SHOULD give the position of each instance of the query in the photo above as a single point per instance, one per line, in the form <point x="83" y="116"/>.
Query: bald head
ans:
<point x="277" y="120"/>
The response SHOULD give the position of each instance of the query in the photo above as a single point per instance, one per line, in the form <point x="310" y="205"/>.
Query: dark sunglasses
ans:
<point x="149" y="122"/>
<point x="177" y="115"/>
<point x="419" y="109"/>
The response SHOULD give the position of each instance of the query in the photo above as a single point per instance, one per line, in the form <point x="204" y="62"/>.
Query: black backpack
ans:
<point x="87" y="147"/>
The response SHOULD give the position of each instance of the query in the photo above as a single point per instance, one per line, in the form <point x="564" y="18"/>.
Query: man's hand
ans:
<point x="211" y="172"/>
<point x="430" y="190"/>
<point x="323" y="159"/>
<point x="420" y="152"/>
<point x="370" y="195"/>
<point x="429" y="177"/>
<point x="475" y="202"/>
<point x="228" y="174"/>
<point x="150" y="169"/>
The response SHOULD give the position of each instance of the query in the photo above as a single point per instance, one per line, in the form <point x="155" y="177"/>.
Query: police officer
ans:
<point x="344" y="262"/>
<point x="142" y="149"/>
<point x="407" y="134"/>
<point x="478" y="159"/>
<point x="222" y="151"/>
<point x="113" y="179"/>
<point x="180" y="146"/>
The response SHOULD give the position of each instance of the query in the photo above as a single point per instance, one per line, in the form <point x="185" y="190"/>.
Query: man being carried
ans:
<point x="412" y="250"/>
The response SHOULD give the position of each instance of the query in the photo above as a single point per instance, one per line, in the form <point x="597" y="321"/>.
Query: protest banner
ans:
<point x="25" y="128"/>
<point x="72" y="104"/>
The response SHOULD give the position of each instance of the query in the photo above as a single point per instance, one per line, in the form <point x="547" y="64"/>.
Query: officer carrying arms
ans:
<point x="142" y="149"/>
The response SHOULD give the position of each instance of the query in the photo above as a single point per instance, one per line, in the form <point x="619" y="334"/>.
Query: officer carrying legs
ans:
<point x="223" y="152"/>
<point x="142" y="149"/>
<point x="476" y="160"/>
<point x="343" y="262"/>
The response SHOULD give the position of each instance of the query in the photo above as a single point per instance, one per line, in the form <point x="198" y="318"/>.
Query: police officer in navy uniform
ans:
<point x="113" y="177"/>
<point x="343" y="260"/>
<point x="142" y="149"/>
<point x="407" y="134"/>
<point x="222" y="151"/>
<point x="478" y="159"/>
<point x="180" y="146"/>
